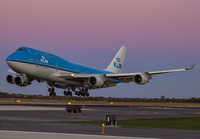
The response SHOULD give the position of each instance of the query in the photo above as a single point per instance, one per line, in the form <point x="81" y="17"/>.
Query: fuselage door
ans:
<point x="56" y="66"/>
<point x="37" y="63"/>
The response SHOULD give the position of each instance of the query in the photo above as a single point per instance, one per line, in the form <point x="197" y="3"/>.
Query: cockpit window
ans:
<point x="21" y="49"/>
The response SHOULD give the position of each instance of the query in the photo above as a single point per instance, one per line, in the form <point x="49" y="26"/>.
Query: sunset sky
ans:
<point x="159" y="35"/>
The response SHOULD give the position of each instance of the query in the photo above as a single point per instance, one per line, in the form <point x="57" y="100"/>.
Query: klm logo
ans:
<point x="43" y="60"/>
<point x="117" y="64"/>
<point x="118" y="59"/>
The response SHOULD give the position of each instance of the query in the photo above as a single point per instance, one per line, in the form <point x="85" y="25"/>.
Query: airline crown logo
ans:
<point x="118" y="59"/>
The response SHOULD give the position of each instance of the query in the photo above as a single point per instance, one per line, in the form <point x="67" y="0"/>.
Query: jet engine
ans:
<point x="141" y="79"/>
<point x="18" y="81"/>
<point x="10" y="79"/>
<point x="95" y="81"/>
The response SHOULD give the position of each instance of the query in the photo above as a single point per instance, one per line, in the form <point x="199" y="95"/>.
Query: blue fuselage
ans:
<point x="48" y="60"/>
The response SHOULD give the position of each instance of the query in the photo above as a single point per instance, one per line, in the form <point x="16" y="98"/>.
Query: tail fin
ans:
<point x="116" y="64"/>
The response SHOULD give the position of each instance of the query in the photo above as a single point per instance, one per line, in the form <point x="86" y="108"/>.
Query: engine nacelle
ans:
<point x="141" y="79"/>
<point x="95" y="81"/>
<point x="10" y="79"/>
<point x="18" y="81"/>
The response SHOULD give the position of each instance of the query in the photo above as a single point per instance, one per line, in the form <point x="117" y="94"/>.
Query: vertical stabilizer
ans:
<point x="116" y="64"/>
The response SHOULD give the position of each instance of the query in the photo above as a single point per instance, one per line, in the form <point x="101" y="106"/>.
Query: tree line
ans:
<point x="109" y="99"/>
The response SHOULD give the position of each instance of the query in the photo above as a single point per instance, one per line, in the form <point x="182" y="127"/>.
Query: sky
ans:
<point x="159" y="35"/>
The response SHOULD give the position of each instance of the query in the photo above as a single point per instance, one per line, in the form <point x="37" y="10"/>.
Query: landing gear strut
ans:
<point x="51" y="92"/>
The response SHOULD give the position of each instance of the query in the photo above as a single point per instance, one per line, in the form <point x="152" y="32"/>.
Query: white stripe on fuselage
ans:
<point x="40" y="72"/>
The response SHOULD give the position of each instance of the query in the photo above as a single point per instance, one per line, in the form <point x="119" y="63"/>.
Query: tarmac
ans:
<point x="49" y="121"/>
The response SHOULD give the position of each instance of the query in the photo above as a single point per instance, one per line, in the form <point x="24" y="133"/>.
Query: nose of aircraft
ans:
<point x="11" y="57"/>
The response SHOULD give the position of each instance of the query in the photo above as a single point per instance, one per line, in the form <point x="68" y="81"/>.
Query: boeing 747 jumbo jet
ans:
<point x="28" y="64"/>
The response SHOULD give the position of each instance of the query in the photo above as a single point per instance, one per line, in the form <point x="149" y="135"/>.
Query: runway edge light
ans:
<point x="17" y="101"/>
<point x="102" y="128"/>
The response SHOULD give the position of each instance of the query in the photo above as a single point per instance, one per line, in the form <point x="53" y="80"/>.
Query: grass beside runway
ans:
<point x="188" y="123"/>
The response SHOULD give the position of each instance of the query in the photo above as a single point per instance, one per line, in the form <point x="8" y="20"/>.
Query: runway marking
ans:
<point x="155" y="108"/>
<point x="33" y="108"/>
<point x="60" y="135"/>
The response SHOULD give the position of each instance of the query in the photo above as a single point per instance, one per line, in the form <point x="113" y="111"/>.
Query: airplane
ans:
<point x="28" y="64"/>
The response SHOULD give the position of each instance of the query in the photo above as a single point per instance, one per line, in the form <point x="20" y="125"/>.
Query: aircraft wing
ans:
<point x="168" y="71"/>
<point x="76" y="76"/>
<point x="125" y="77"/>
<point x="85" y="77"/>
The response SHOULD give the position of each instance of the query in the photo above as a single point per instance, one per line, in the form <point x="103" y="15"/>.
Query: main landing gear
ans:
<point x="52" y="92"/>
<point x="67" y="93"/>
<point x="82" y="92"/>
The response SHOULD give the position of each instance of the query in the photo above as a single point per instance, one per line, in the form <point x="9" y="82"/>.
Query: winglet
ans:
<point x="191" y="67"/>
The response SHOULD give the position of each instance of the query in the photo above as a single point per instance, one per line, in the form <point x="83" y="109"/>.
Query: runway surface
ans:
<point x="42" y="135"/>
<point x="49" y="120"/>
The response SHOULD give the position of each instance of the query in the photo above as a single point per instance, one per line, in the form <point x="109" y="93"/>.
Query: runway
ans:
<point x="42" y="135"/>
<point x="45" y="119"/>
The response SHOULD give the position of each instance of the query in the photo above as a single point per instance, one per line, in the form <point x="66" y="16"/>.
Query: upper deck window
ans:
<point x="21" y="49"/>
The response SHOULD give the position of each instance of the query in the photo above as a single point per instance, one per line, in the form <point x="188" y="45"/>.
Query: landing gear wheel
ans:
<point x="51" y="92"/>
<point x="78" y="93"/>
<point x="65" y="93"/>
<point x="70" y="93"/>
<point x="82" y="92"/>
<point x="52" y="89"/>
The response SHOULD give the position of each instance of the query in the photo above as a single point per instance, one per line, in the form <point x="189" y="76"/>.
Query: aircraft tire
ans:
<point x="65" y="93"/>
<point x="52" y="89"/>
<point x="68" y="93"/>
